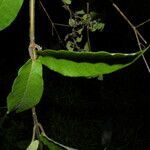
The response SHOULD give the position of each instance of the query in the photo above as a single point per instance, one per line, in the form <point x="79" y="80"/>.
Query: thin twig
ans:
<point x="139" y="44"/>
<point x="52" y="23"/>
<point x="143" y="23"/>
<point x="129" y="22"/>
<point x="35" y="121"/>
<point x="88" y="34"/>
<point x="136" y="32"/>
<point x="63" y="25"/>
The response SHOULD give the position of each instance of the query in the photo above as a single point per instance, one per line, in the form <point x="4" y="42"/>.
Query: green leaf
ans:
<point x="68" y="2"/>
<point x="80" y="12"/>
<point x="8" y="12"/>
<point x="53" y="145"/>
<point x="97" y="26"/>
<point x="72" y="22"/>
<point x="93" y="14"/>
<point x="79" y="39"/>
<point x="86" y="47"/>
<point x="70" y="46"/>
<point x="34" y="145"/>
<point x="86" y="64"/>
<point x="27" y="88"/>
<point x="80" y="31"/>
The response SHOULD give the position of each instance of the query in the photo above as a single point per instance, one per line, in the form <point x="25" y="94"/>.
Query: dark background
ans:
<point x="76" y="111"/>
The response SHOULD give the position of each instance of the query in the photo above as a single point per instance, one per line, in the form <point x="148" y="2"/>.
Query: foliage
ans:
<point x="27" y="88"/>
<point x="86" y="64"/>
<point x="53" y="145"/>
<point x="80" y="22"/>
<point x="34" y="145"/>
<point x="8" y="12"/>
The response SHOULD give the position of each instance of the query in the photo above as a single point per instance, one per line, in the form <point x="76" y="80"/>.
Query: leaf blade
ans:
<point x="86" y="64"/>
<point x="8" y="12"/>
<point x="27" y="88"/>
<point x="33" y="145"/>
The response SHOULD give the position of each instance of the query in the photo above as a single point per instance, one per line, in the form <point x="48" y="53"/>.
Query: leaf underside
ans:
<point x="86" y="64"/>
<point x="27" y="88"/>
<point x="8" y="12"/>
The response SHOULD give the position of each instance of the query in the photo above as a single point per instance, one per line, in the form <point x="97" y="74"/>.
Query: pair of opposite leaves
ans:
<point x="27" y="88"/>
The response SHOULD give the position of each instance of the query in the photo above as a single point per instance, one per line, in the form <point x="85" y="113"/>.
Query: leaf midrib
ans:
<point x="22" y="99"/>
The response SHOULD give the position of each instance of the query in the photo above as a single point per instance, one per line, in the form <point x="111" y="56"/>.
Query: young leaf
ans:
<point x="27" y="88"/>
<point x="8" y="12"/>
<point x="68" y="2"/>
<point x="33" y="145"/>
<point x="53" y="145"/>
<point x="70" y="46"/>
<point x="72" y="22"/>
<point x="86" y="64"/>
<point x="86" y="47"/>
<point x="97" y="26"/>
<point x="80" y="12"/>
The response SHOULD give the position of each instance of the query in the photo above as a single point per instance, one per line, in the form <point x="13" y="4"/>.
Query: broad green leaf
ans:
<point x="34" y="145"/>
<point x="8" y="12"/>
<point x="53" y="145"/>
<point x="86" y="64"/>
<point x="27" y="88"/>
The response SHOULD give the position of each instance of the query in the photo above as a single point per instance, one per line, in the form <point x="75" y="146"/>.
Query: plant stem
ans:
<point x="52" y="23"/>
<point x="32" y="46"/>
<point x="136" y="32"/>
<point x="88" y="34"/>
<point x="32" y="29"/>
<point x="32" y="21"/>
<point x="35" y="121"/>
<point x="143" y="23"/>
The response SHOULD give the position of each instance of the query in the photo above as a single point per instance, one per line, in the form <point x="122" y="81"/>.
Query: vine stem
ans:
<point x="32" y="47"/>
<point x="138" y="35"/>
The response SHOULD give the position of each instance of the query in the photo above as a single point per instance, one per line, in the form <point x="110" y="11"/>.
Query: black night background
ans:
<point x="77" y="111"/>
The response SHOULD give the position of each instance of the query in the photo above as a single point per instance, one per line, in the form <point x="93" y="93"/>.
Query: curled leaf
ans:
<point x="86" y="64"/>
